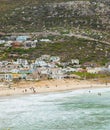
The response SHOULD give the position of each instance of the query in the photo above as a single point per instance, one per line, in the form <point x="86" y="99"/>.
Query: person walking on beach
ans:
<point x="34" y="91"/>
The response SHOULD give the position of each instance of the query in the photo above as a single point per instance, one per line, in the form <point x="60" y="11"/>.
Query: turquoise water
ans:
<point x="75" y="110"/>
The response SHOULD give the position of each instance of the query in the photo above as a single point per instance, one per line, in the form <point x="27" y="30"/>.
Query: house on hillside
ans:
<point x="16" y="44"/>
<point x="15" y="71"/>
<point x="75" y="61"/>
<point x="45" y="40"/>
<point x="8" y="43"/>
<point x="107" y="65"/>
<point x="29" y="44"/>
<point x="12" y="38"/>
<point x="90" y="64"/>
<point x="6" y="77"/>
<point x="33" y="76"/>
<point x="41" y="63"/>
<point x="44" y="70"/>
<point x="4" y="63"/>
<point x="35" y="41"/>
<point x="45" y="57"/>
<point x="56" y="73"/>
<point x="2" y="77"/>
<point x="25" y="71"/>
<point x="69" y="69"/>
<point x="16" y="76"/>
<point x="22" y="62"/>
<point x="22" y="38"/>
<point x="2" y="41"/>
<point x="54" y="58"/>
<point x="2" y="34"/>
<point x="13" y="55"/>
<point x="95" y="70"/>
<point x="12" y="66"/>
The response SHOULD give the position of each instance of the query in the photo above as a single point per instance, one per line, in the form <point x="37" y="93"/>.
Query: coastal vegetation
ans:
<point x="69" y="48"/>
<point x="86" y="75"/>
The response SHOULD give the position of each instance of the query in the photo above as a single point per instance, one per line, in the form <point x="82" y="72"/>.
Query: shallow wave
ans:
<point x="78" y="110"/>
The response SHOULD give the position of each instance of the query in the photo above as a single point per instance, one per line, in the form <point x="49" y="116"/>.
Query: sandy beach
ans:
<point x="34" y="87"/>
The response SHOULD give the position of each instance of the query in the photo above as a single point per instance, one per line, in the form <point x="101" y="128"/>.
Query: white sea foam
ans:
<point x="62" y="110"/>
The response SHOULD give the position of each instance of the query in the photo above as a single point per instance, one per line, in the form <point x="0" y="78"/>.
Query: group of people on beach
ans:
<point x="31" y="88"/>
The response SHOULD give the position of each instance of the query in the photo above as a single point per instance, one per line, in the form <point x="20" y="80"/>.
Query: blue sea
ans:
<point x="72" y="110"/>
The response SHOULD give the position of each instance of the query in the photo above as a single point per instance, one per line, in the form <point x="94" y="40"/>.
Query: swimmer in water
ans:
<point x="99" y="94"/>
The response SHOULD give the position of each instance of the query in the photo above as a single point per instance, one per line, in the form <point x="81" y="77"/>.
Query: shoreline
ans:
<point x="48" y="86"/>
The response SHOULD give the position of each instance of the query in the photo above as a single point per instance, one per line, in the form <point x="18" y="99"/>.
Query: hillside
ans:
<point x="82" y="49"/>
<point x="83" y="19"/>
<point x="87" y="17"/>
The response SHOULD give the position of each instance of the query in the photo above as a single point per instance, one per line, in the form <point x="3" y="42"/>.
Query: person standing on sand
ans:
<point x="34" y="91"/>
<point x="25" y="90"/>
<point x="9" y="86"/>
<point x="106" y="83"/>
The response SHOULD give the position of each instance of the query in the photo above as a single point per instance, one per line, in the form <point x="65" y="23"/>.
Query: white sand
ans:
<point x="49" y="86"/>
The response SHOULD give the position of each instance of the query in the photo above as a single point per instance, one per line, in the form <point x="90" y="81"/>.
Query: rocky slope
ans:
<point x="87" y="17"/>
<point x="88" y="21"/>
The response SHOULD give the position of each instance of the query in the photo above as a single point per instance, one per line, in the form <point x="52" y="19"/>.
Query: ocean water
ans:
<point x="73" y="110"/>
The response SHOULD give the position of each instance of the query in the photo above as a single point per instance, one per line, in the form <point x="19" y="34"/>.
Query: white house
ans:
<point x="44" y="71"/>
<point x="29" y="44"/>
<point x="14" y="71"/>
<point x="22" y="62"/>
<point x="2" y="41"/>
<point x="75" y="61"/>
<point x="41" y="63"/>
<point x="45" y="40"/>
<point x="56" y="73"/>
<point x="54" y="58"/>
<point x="35" y="41"/>
<point x="6" y="77"/>
<point x="69" y="69"/>
<point x="4" y="63"/>
<point x="45" y="57"/>
<point x="8" y="43"/>
<point x="22" y="38"/>
<point x="94" y="70"/>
